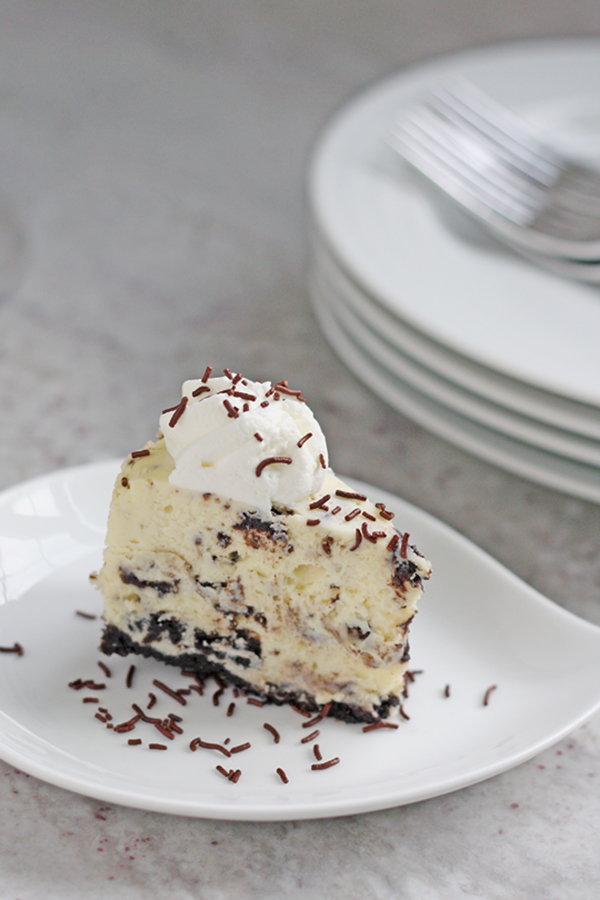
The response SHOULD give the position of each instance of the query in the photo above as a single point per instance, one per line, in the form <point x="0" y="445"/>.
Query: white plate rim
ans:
<point x="539" y="435"/>
<point x="524" y="399"/>
<point x="538" y="466"/>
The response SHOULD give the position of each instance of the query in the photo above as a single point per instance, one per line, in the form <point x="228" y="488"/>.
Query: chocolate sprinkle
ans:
<point x="352" y="514"/>
<point x="282" y="775"/>
<point x="313" y="521"/>
<point x="320" y="504"/>
<point x="403" y="714"/>
<point x="134" y="742"/>
<point x="223" y="771"/>
<point x="104" y="668"/>
<point x="16" y="648"/>
<point x="85" y="615"/>
<point x="179" y="411"/>
<point x="254" y="702"/>
<point x="304" y="439"/>
<point x="241" y="747"/>
<point x="320" y="715"/>
<point x="200" y="390"/>
<point x="404" y="545"/>
<point x="127" y="726"/>
<point x="206" y="375"/>
<point x="230" y="708"/>
<point x="217" y="695"/>
<point x="156" y="747"/>
<point x="130" y="674"/>
<point x="258" y="436"/>
<point x="151" y="699"/>
<point x="270" y="461"/>
<point x="447" y="691"/>
<point x="232" y="411"/>
<point x="235" y="776"/>
<point x="326" y="765"/>
<point x="350" y="495"/>
<point x="310" y="737"/>
<point x="357" y="540"/>
<point x="393" y="542"/>
<point x="488" y="694"/>
<point x="317" y="752"/>
<point x="322" y="461"/>
<point x="90" y="700"/>
<point x="375" y="726"/>
<point x="274" y="732"/>
<point x="197" y="742"/>
<point x="137" y="453"/>
<point x="173" y="694"/>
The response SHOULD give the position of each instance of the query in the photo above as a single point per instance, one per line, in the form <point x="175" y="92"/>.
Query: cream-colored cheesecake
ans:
<point x="295" y="597"/>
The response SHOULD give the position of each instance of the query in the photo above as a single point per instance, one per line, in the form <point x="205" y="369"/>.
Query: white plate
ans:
<point x="416" y="256"/>
<point x="478" y="626"/>
<point x="454" y="397"/>
<point x="514" y="395"/>
<point x="577" y="479"/>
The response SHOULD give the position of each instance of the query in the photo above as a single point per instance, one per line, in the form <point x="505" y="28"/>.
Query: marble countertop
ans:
<point x="152" y="221"/>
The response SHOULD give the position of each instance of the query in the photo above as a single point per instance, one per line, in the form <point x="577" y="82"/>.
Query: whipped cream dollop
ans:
<point x="252" y="441"/>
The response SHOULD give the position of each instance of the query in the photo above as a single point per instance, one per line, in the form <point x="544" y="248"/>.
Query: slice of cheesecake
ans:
<point x="294" y="597"/>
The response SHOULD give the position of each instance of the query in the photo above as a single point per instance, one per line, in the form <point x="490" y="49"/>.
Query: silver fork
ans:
<point x="498" y="168"/>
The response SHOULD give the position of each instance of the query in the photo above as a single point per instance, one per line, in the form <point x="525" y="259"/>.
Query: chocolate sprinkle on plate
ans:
<point x="156" y="747"/>
<point x="326" y="765"/>
<point x="241" y="747"/>
<point x="320" y="715"/>
<point x="134" y="742"/>
<point x="375" y="726"/>
<point x="16" y="648"/>
<point x="282" y="775"/>
<point x="488" y="694"/>
<point x="130" y="674"/>
<point x="85" y="615"/>
<point x="206" y="745"/>
<point x="274" y="732"/>
<point x="171" y="693"/>
<point x="310" y="737"/>
<point x="138" y="453"/>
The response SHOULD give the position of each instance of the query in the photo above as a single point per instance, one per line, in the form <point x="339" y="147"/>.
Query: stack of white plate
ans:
<point x="474" y="343"/>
